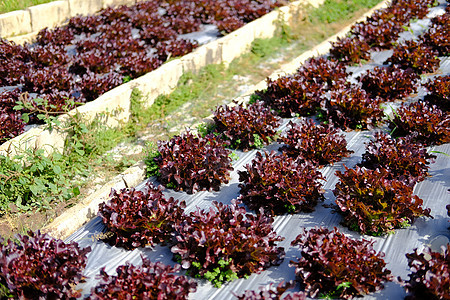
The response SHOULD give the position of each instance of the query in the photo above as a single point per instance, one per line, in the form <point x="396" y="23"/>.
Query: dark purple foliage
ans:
<point x="174" y="48"/>
<point x="13" y="62"/>
<point x="140" y="218"/>
<point x="280" y="184"/>
<point x="439" y="92"/>
<point x="350" y="50"/>
<point x="380" y="30"/>
<point x="93" y="85"/>
<point x="321" y="144"/>
<point x="335" y="265"/>
<point x="425" y="123"/>
<point x="437" y="35"/>
<point x="348" y="107"/>
<point x="148" y="281"/>
<point x="415" y="55"/>
<point x="300" y="93"/>
<point x="290" y="95"/>
<point x="389" y="83"/>
<point x="403" y="159"/>
<point x="372" y="203"/>
<point x="225" y="243"/>
<point x="47" y="80"/>
<point x="59" y="36"/>
<point x="48" y="55"/>
<point x="38" y="266"/>
<point x="383" y="27"/>
<point x="11" y="124"/>
<point x="430" y="276"/>
<point x="326" y="72"/>
<point x="193" y="163"/>
<point x="246" y="126"/>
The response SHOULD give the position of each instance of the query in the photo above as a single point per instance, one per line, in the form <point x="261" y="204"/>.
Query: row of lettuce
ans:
<point x="227" y="242"/>
<point x="76" y="63"/>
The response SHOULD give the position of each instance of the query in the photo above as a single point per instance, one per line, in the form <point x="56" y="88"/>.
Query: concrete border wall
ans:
<point x="116" y="102"/>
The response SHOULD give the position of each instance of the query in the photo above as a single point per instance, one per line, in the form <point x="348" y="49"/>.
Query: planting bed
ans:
<point x="433" y="190"/>
<point x="92" y="54"/>
<point x="295" y="234"/>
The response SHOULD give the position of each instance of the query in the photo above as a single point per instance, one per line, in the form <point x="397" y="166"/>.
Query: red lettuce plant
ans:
<point x="442" y="19"/>
<point x="11" y="124"/>
<point x="280" y="184"/>
<point x="326" y="72"/>
<point x="59" y="36"/>
<point x="390" y="83"/>
<point x="350" y="50"/>
<point x="439" y="92"/>
<point x="321" y="144"/>
<point x="93" y="85"/>
<point x="14" y="60"/>
<point x="300" y="93"/>
<point x="380" y="30"/>
<point x="413" y="8"/>
<point x="415" y="55"/>
<point x="38" y="266"/>
<point x="272" y="293"/>
<point x="290" y="95"/>
<point x="138" y="64"/>
<point x="403" y="159"/>
<point x="430" y="276"/>
<point x="48" y="55"/>
<point x="139" y="219"/>
<point x="426" y="124"/>
<point x="230" y="15"/>
<point x="374" y="204"/>
<point x="84" y="24"/>
<point x="174" y="48"/>
<point x="148" y="281"/>
<point x="47" y="79"/>
<point x="226" y="243"/>
<point x="437" y="35"/>
<point x="335" y="265"/>
<point x="246" y="127"/>
<point x="193" y="163"/>
<point x="383" y="27"/>
<point x="349" y="107"/>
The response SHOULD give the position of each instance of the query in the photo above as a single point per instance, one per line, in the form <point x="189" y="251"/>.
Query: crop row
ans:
<point x="76" y="63"/>
<point x="227" y="242"/>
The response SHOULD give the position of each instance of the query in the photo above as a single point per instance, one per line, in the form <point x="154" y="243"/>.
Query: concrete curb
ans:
<point x="68" y="222"/>
<point x="116" y="102"/>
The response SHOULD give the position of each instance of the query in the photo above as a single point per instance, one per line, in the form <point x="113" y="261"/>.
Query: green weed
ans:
<point x="334" y="10"/>
<point x="11" y="5"/>
<point x="34" y="184"/>
<point x="151" y="152"/>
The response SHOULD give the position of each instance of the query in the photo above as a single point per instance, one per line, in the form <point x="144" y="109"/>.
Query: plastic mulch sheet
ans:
<point x="425" y="231"/>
